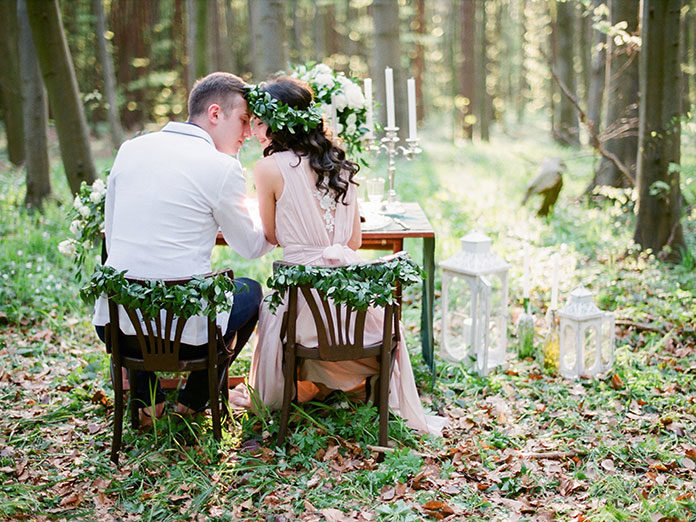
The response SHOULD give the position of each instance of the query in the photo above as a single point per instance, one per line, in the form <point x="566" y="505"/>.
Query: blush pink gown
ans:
<point x="302" y="232"/>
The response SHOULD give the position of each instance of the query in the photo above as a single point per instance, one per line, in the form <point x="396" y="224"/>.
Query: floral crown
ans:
<point x="278" y="115"/>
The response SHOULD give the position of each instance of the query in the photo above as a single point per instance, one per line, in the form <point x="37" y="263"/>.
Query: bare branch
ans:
<point x="594" y="138"/>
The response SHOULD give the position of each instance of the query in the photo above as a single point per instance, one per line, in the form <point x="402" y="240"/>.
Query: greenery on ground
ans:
<point x="521" y="443"/>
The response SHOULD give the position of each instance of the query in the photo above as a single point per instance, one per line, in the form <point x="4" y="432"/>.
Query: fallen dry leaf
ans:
<point x="616" y="382"/>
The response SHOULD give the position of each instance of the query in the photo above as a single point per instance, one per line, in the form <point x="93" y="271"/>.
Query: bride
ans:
<point x="308" y="206"/>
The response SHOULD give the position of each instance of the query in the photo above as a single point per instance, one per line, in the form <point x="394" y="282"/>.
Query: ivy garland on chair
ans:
<point x="204" y="295"/>
<point x="358" y="286"/>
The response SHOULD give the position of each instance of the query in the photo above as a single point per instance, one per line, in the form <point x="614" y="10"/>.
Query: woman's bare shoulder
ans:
<point x="267" y="167"/>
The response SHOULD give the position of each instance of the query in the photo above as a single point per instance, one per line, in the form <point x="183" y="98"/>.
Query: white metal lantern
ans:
<point x="474" y="304"/>
<point x="587" y="337"/>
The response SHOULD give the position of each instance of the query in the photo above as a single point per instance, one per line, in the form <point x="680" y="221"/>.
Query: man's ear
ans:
<point x="214" y="113"/>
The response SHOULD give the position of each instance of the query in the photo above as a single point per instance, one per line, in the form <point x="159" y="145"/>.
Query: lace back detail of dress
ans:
<point x="327" y="203"/>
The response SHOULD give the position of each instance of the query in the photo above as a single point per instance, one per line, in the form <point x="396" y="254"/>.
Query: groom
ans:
<point x="168" y="194"/>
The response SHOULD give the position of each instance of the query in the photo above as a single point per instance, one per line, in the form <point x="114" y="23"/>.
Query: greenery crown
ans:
<point x="278" y="115"/>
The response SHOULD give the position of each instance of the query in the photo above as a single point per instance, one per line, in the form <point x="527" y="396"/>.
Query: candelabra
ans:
<point x="388" y="144"/>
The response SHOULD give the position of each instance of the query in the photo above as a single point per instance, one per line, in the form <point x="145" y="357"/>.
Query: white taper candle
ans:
<point x="412" y="119"/>
<point x="368" y="105"/>
<point x="554" y="283"/>
<point x="525" y="272"/>
<point x="389" y="86"/>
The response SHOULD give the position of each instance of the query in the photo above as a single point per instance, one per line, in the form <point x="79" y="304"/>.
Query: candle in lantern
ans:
<point x="554" y="284"/>
<point x="368" y="105"/>
<point x="389" y="84"/>
<point x="412" y="121"/>
<point x="525" y="272"/>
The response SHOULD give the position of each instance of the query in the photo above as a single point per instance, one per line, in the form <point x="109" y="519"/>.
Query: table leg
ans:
<point x="427" y="341"/>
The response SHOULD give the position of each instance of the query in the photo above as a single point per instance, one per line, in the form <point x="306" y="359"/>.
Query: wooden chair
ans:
<point x="149" y="352"/>
<point x="340" y="337"/>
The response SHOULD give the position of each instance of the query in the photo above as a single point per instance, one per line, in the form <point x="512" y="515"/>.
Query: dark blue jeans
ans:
<point x="243" y="318"/>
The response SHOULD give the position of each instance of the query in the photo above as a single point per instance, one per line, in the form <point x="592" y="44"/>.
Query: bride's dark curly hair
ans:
<point x="334" y="170"/>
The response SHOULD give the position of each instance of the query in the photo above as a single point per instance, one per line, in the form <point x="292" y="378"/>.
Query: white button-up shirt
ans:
<point x="168" y="194"/>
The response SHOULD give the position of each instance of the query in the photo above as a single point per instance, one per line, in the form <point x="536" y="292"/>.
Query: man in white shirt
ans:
<point x="169" y="192"/>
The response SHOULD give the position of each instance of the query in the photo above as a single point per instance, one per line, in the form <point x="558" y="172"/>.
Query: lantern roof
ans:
<point x="475" y="258"/>
<point x="581" y="307"/>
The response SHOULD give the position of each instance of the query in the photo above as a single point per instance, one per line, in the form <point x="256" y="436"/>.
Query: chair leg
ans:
<point x="118" y="412"/>
<point x="288" y="392"/>
<point x="214" y="401"/>
<point x="135" y="419"/>
<point x="384" y="374"/>
<point x="225" y="395"/>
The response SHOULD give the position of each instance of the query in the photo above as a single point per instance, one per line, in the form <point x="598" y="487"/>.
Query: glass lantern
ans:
<point x="586" y="337"/>
<point x="474" y="304"/>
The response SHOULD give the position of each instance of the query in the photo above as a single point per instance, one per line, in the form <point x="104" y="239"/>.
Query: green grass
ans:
<point x="624" y="447"/>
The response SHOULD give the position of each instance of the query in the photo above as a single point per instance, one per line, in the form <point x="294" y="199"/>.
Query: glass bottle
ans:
<point x="550" y="349"/>
<point x="525" y="332"/>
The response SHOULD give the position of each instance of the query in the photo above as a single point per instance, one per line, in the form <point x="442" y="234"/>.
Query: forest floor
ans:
<point x="521" y="444"/>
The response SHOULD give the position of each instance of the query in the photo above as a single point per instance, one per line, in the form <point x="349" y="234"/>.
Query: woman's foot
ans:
<point x="146" y="414"/>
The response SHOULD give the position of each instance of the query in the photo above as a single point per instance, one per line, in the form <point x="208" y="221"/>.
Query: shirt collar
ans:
<point x="188" y="129"/>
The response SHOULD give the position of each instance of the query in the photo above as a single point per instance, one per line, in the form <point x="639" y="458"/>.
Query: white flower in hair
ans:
<point x="340" y="101"/>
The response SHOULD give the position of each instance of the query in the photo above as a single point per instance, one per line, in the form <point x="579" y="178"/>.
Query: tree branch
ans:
<point x="594" y="137"/>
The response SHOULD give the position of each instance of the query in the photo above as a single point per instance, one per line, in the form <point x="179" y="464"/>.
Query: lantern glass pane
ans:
<point x="497" y="323"/>
<point x="606" y="351"/>
<point x="590" y="347"/>
<point x="458" y="336"/>
<point x="569" y="351"/>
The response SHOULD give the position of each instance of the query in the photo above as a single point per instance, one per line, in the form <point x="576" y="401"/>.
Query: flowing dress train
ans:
<point x="313" y="232"/>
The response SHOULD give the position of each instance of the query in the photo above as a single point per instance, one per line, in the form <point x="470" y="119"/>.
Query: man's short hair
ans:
<point x="217" y="87"/>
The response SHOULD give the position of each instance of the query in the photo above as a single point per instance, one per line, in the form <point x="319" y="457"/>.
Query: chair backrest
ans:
<point x="340" y="327"/>
<point x="159" y="342"/>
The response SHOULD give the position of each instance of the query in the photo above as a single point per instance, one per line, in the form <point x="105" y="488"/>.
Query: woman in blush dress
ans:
<point x="308" y="206"/>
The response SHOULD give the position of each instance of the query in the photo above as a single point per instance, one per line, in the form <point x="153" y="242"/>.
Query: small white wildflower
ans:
<point x="29" y="265"/>
<point x="84" y="211"/>
<point x="5" y="276"/>
<point x="78" y="203"/>
<point x="75" y="227"/>
<point x="67" y="247"/>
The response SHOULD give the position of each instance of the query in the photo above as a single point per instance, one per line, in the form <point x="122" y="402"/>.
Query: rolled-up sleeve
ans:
<point x="231" y="213"/>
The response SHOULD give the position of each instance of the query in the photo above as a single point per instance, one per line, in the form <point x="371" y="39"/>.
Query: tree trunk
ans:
<point x="595" y="94"/>
<point x="621" y="87"/>
<point x="35" y="115"/>
<point x="318" y="32"/>
<point x="201" y="41"/>
<point x="659" y="197"/>
<point x="61" y="86"/>
<point x="296" y="54"/>
<point x="467" y="10"/>
<point x="419" y="58"/>
<point x="191" y="25"/>
<point x="554" y="90"/>
<point x="10" y="91"/>
<point x="107" y="68"/>
<point x="568" y="127"/>
<point x="270" y="42"/>
<point x="522" y="83"/>
<point x="214" y="43"/>
<point x="482" y="101"/>
<point x="585" y="37"/>
<point x="385" y="14"/>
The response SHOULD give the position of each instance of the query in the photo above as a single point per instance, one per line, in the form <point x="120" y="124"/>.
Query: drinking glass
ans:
<point x="375" y="190"/>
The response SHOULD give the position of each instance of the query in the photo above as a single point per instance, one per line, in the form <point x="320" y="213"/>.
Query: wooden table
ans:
<point x="412" y="222"/>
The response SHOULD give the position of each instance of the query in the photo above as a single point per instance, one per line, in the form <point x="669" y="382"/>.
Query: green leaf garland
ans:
<point x="359" y="286"/>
